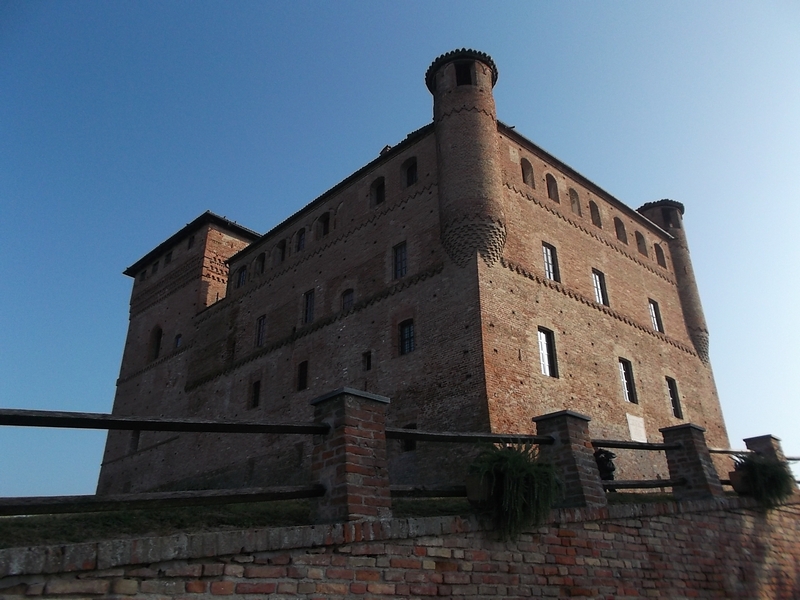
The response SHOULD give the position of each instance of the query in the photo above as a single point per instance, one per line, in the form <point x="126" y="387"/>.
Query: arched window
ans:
<point x="241" y="277"/>
<point x="154" y="346"/>
<point x="619" y="227"/>
<point x="410" y="172"/>
<point x="301" y="240"/>
<point x="260" y="261"/>
<point x="660" y="256"/>
<point x="641" y="245"/>
<point x="377" y="191"/>
<point x="527" y="172"/>
<point x="574" y="202"/>
<point x="323" y="225"/>
<point x="595" y="213"/>
<point x="280" y="251"/>
<point x="552" y="188"/>
<point x="348" y="297"/>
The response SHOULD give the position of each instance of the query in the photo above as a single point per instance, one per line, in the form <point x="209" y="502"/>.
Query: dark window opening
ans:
<point x="595" y="213"/>
<point x="411" y="172"/>
<point x="308" y="306"/>
<point x="348" y="298"/>
<point x="190" y="243"/>
<point x="261" y="330"/>
<point x="281" y="248"/>
<point x="133" y="445"/>
<point x="550" y="262"/>
<point x="574" y="202"/>
<point x="255" y="394"/>
<point x="641" y="244"/>
<point x="674" y="398"/>
<point x="324" y="225"/>
<point x="552" y="188"/>
<point x="155" y="268"/>
<point x="527" y="172"/>
<point x="669" y="221"/>
<point x="626" y="378"/>
<point x="599" y="284"/>
<point x="301" y="240"/>
<point x="366" y="361"/>
<point x="464" y="73"/>
<point x="260" y="262"/>
<point x="399" y="261"/>
<point x="241" y="277"/>
<point x="547" y="352"/>
<point x="619" y="227"/>
<point x="378" y="191"/>
<point x="168" y="257"/>
<point x="406" y="330"/>
<point x="178" y="340"/>
<point x="142" y="275"/>
<point x="302" y="376"/>
<point x="660" y="259"/>
<point x="155" y="343"/>
<point x="409" y="445"/>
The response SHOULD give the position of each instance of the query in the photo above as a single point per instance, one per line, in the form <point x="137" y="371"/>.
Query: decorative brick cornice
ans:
<point x="463" y="54"/>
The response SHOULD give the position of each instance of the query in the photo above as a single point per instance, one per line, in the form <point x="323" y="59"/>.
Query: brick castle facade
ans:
<point x="465" y="273"/>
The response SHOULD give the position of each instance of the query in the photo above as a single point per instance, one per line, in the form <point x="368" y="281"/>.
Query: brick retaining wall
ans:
<point x="721" y="548"/>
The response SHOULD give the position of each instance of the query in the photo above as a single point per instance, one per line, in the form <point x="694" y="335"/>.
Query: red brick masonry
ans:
<point x="721" y="548"/>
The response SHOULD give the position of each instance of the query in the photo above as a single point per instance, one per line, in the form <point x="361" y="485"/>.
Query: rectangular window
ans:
<point x="366" y="361"/>
<point x="348" y="297"/>
<point x="308" y="306"/>
<point x="406" y="330"/>
<point x="155" y="268"/>
<point x="655" y="316"/>
<point x="599" y="282"/>
<point x="255" y="394"/>
<point x="302" y="376"/>
<point x="550" y="262"/>
<point x="626" y="378"/>
<point x="143" y="275"/>
<point x="409" y="445"/>
<point x="261" y="330"/>
<point x="674" y="398"/>
<point x="168" y="257"/>
<point x="190" y="242"/>
<point x="547" y="352"/>
<point x="400" y="260"/>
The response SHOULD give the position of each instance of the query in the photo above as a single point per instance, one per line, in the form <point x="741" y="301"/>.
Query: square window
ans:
<point x="550" y="262"/>
<point x="406" y="331"/>
<point x="655" y="316"/>
<point x="547" y="352"/>
<point x="400" y="260"/>
<point x="626" y="378"/>
<point x="600" y="292"/>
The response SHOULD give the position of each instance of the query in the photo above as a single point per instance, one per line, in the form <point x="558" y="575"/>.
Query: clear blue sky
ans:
<point x="122" y="121"/>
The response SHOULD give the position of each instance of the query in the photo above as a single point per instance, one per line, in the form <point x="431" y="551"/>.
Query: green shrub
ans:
<point x="520" y="487"/>
<point x="768" y="480"/>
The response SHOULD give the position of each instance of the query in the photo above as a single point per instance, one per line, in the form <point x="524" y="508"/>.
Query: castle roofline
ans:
<point x="464" y="53"/>
<point x="664" y="202"/>
<point x="384" y="156"/>
<point x="589" y="184"/>
<point x="206" y="218"/>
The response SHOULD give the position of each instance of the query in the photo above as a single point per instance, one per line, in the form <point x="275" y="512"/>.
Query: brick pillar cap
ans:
<point x="684" y="426"/>
<point x="761" y="437"/>
<point x="350" y="392"/>
<point x="561" y="413"/>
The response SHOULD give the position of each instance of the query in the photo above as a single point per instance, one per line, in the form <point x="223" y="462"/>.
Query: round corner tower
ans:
<point x="668" y="214"/>
<point x="470" y="177"/>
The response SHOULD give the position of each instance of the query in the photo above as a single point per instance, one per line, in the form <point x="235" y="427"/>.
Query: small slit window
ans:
<point x="574" y="202"/>
<point x="154" y="349"/>
<point x="619" y="228"/>
<point x="552" y="188"/>
<point x="595" y="214"/>
<point x="527" y="172"/>
<point x="178" y="340"/>
<point x="302" y="376"/>
<point x="255" y="394"/>
<point x="308" y="307"/>
<point x="348" y="298"/>
<point x="261" y="330"/>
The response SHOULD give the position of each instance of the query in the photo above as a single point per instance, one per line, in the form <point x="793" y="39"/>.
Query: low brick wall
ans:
<point x="721" y="548"/>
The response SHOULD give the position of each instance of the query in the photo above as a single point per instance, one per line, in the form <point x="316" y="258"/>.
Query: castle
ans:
<point x="465" y="273"/>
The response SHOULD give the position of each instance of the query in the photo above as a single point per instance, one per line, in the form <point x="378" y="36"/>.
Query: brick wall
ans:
<point x="701" y="549"/>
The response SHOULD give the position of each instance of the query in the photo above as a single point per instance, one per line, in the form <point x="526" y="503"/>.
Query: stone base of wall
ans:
<point x="692" y="549"/>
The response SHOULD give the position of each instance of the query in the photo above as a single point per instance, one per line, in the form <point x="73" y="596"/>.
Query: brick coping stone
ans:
<point x="107" y="554"/>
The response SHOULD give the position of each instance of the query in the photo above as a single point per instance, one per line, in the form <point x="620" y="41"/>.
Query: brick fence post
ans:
<point x="692" y="462"/>
<point x="350" y="461"/>
<point x="573" y="456"/>
<point x="768" y="446"/>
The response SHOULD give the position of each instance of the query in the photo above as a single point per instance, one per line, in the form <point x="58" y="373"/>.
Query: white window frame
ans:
<point x="655" y="315"/>
<point x="627" y="380"/>
<point x="547" y="352"/>
<point x="600" y="291"/>
<point x="550" y="256"/>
